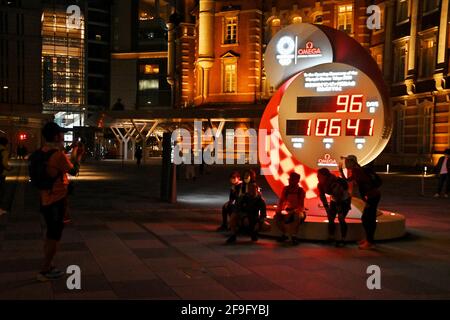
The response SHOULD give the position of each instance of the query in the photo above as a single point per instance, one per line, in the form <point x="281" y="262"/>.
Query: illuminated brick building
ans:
<point x="217" y="51"/>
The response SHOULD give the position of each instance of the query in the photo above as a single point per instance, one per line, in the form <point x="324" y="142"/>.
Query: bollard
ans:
<point x="387" y="168"/>
<point x="423" y="181"/>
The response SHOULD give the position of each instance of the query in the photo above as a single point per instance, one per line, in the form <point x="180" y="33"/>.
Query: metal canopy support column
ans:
<point x="119" y="139"/>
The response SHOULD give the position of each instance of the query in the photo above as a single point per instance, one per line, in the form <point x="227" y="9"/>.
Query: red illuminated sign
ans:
<point x="309" y="50"/>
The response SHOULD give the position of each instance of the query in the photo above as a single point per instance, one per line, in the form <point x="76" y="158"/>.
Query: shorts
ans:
<point x="54" y="218"/>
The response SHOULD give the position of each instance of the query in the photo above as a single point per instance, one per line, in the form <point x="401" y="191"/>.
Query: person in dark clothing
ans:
<point x="249" y="178"/>
<point x="250" y="212"/>
<point x="290" y="209"/>
<point x="371" y="195"/>
<point x="228" y="207"/>
<point x="138" y="155"/>
<point x="340" y="202"/>
<point x="4" y="166"/>
<point x="442" y="169"/>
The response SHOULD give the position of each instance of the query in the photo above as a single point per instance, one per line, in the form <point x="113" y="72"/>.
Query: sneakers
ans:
<point x="366" y="246"/>
<point x="436" y="195"/>
<point x="340" y="244"/>
<point x="2" y="212"/>
<point x="231" y="239"/>
<point x="53" y="274"/>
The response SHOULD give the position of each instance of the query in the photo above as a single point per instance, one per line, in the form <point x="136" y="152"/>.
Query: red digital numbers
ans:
<point x="321" y="127"/>
<point x="352" y="127"/>
<point x="347" y="103"/>
<point x="335" y="127"/>
<point x="328" y="127"/>
<point x="359" y="127"/>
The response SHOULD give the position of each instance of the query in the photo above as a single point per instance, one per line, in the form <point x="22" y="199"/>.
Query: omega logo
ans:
<point x="309" y="50"/>
<point x="327" y="161"/>
<point x="288" y="51"/>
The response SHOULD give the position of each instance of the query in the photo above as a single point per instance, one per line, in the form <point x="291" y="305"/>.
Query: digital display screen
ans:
<point x="329" y="111"/>
<point x="330" y="127"/>
<point x="298" y="127"/>
<point x="359" y="127"/>
<point x="340" y="104"/>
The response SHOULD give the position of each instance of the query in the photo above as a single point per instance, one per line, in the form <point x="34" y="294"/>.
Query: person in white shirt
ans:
<point x="442" y="169"/>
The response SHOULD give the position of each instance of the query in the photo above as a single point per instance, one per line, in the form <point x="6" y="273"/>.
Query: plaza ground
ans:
<point x="131" y="246"/>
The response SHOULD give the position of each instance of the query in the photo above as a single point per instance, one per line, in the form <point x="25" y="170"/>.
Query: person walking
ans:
<point x="4" y="166"/>
<point x="138" y="155"/>
<point x="369" y="184"/>
<point x="442" y="169"/>
<point x="49" y="167"/>
<point x="340" y="202"/>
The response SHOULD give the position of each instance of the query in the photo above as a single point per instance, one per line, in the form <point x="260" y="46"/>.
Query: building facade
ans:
<point x="20" y="73"/>
<point x="218" y="51"/>
<point x="139" y="54"/>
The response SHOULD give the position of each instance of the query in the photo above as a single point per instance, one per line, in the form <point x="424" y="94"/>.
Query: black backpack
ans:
<point x="375" y="180"/>
<point x="37" y="169"/>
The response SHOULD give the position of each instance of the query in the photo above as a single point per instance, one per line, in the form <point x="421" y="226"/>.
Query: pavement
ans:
<point x="129" y="245"/>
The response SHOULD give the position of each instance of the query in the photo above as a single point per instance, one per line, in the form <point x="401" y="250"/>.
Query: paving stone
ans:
<point x="144" y="244"/>
<point x="19" y="265"/>
<point x="82" y="295"/>
<point x="250" y="282"/>
<point x="147" y="289"/>
<point x="208" y="292"/>
<point x="89" y="283"/>
<point x="124" y="226"/>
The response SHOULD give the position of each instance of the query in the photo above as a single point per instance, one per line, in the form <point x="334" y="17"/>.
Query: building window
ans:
<point x="149" y="69"/>
<point x="318" y="19"/>
<point x="345" y="18"/>
<point x="400" y="65"/>
<point x="430" y="6"/>
<point x="427" y="57"/>
<point x="275" y="26"/>
<point x="399" y="128"/>
<point x="402" y="11"/>
<point x="230" y="30"/>
<point x="297" y="19"/>
<point x="382" y="17"/>
<point x="148" y="84"/>
<point x="377" y="55"/>
<point x="63" y="61"/>
<point x="230" y="77"/>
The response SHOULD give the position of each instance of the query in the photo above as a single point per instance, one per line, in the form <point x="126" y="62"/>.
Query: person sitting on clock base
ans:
<point x="249" y="215"/>
<point x="290" y="210"/>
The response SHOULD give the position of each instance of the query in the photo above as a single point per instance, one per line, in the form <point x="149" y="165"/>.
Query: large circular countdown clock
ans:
<point x="332" y="110"/>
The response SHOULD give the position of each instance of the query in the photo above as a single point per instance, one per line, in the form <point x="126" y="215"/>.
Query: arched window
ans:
<point x="297" y="19"/>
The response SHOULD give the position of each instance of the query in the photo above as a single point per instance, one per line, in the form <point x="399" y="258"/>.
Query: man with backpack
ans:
<point x="49" y="167"/>
<point x="369" y="184"/>
<point x="4" y="166"/>
<point x="340" y="202"/>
